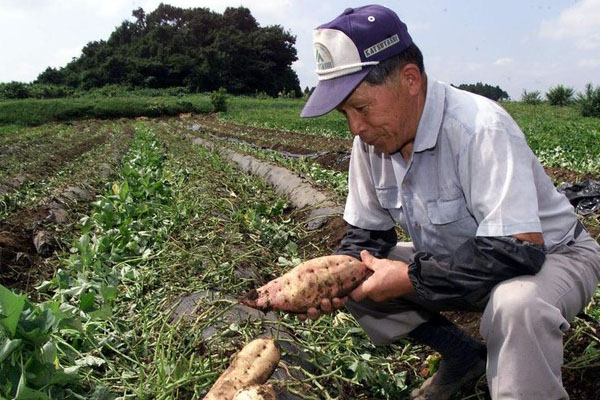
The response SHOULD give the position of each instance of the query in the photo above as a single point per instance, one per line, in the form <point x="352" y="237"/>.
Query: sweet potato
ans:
<point x="305" y="285"/>
<point x="256" y="392"/>
<point x="254" y="364"/>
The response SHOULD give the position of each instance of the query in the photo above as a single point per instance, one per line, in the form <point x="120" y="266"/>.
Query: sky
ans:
<point x="515" y="44"/>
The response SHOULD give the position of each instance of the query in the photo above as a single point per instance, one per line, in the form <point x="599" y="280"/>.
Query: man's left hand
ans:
<point x="389" y="280"/>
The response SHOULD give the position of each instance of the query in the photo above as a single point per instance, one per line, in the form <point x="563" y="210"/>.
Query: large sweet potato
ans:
<point x="256" y="392"/>
<point x="254" y="364"/>
<point x="305" y="285"/>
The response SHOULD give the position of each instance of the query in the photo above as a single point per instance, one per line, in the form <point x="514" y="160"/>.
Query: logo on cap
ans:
<point x="384" y="44"/>
<point x="323" y="57"/>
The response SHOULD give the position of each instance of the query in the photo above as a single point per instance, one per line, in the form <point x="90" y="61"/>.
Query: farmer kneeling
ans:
<point x="489" y="230"/>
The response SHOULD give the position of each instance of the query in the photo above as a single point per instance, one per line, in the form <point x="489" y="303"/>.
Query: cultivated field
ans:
<point x="124" y="248"/>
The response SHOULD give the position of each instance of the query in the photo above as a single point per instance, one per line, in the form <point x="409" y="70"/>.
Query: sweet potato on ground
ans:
<point x="305" y="285"/>
<point x="254" y="364"/>
<point x="256" y="392"/>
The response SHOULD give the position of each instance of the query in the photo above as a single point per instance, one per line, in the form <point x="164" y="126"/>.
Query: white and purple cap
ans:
<point x="347" y="48"/>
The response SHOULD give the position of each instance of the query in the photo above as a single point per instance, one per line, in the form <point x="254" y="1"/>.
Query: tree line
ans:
<point x="194" y="48"/>
<point x="491" y="92"/>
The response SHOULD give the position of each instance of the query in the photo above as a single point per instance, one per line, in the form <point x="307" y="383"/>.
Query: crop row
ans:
<point x="51" y="174"/>
<point x="44" y="345"/>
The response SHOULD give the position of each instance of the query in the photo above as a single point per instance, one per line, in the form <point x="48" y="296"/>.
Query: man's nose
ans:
<point x="357" y="125"/>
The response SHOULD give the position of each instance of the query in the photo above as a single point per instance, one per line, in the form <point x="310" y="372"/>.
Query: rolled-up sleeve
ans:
<point x="363" y="208"/>
<point x="497" y="176"/>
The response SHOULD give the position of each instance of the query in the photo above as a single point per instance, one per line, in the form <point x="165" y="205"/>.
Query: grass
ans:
<point x="284" y="114"/>
<point x="194" y="222"/>
<point x="32" y="112"/>
<point x="560" y="136"/>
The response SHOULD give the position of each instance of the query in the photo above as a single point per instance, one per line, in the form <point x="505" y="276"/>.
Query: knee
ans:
<point x="517" y="304"/>
<point x="512" y="298"/>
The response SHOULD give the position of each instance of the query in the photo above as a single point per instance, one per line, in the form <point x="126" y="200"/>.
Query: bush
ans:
<point x="560" y="95"/>
<point x="590" y="101"/>
<point x="262" y="95"/>
<point x="534" y="97"/>
<point x="31" y="112"/>
<point x="47" y="91"/>
<point x="218" y="100"/>
<point x="14" y="90"/>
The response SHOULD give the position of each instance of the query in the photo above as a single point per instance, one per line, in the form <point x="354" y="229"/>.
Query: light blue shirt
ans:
<point x="471" y="174"/>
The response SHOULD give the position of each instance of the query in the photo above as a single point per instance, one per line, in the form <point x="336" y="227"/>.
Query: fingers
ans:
<point x="364" y="290"/>
<point x="359" y="293"/>
<point x="326" y="306"/>
<point x="368" y="259"/>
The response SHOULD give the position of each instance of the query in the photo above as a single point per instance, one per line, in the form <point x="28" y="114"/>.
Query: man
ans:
<point x="489" y="231"/>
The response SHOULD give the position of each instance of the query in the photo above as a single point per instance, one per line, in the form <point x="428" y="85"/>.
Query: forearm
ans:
<point x="378" y="243"/>
<point x="465" y="279"/>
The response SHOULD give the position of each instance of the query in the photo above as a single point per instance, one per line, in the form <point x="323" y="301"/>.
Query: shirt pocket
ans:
<point x="442" y="212"/>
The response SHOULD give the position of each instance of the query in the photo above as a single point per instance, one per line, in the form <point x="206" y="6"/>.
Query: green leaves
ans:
<point x="11" y="306"/>
<point x="7" y="346"/>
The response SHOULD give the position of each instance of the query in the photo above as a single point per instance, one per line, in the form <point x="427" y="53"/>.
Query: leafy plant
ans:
<point x="218" y="99"/>
<point x="531" y="97"/>
<point x="31" y="356"/>
<point x="590" y="101"/>
<point x="560" y="95"/>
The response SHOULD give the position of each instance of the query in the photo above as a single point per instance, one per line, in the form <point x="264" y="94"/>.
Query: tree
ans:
<point x="52" y="76"/>
<point x="491" y="92"/>
<point x="192" y="47"/>
<point x="589" y="101"/>
<point x="14" y="90"/>
<point x="560" y="95"/>
<point x="531" y="97"/>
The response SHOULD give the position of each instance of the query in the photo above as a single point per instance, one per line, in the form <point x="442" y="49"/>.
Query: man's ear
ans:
<point x="411" y="77"/>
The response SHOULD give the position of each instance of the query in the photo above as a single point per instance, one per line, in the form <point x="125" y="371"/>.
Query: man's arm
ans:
<point x="465" y="278"/>
<point x="462" y="280"/>
<point x="378" y="243"/>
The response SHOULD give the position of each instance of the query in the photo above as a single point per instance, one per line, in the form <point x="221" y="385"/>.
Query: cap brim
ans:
<point x="330" y="93"/>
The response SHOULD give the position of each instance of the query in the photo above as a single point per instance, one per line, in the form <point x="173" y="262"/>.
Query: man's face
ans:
<point x="385" y="116"/>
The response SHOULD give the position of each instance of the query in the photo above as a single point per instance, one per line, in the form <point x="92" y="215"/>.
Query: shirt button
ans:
<point x="406" y="182"/>
<point x="417" y="225"/>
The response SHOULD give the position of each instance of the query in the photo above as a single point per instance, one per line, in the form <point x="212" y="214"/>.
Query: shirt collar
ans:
<point x="431" y="118"/>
